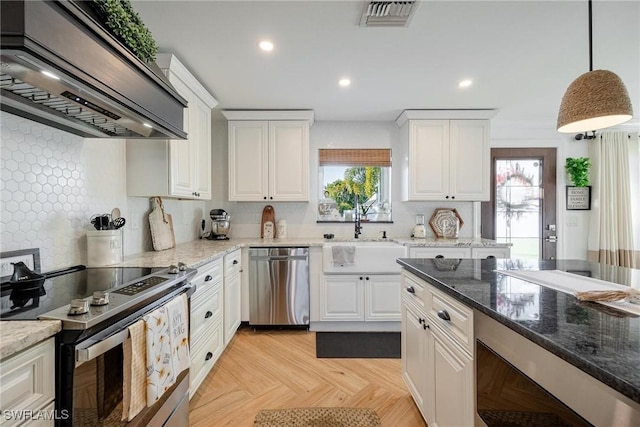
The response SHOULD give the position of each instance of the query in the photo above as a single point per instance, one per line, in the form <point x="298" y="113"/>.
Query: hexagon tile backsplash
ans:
<point x="52" y="182"/>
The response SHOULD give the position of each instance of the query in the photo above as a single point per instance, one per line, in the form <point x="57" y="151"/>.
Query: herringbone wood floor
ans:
<point x="279" y="369"/>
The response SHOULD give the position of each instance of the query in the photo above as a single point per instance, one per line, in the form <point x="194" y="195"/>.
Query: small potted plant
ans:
<point x="578" y="170"/>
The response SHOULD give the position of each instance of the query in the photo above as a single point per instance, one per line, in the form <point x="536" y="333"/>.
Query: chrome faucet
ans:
<point x="358" y="225"/>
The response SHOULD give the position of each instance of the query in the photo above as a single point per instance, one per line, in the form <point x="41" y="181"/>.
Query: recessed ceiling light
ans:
<point x="266" y="45"/>
<point x="50" y="74"/>
<point x="465" y="83"/>
<point x="344" y="82"/>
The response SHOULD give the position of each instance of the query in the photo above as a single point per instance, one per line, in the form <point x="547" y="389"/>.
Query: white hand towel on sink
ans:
<point x="343" y="255"/>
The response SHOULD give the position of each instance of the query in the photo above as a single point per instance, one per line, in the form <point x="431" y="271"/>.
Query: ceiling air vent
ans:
<point x="387" y="13"/>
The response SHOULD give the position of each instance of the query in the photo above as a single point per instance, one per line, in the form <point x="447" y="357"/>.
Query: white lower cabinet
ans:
<point x="460" y="252"/>
<point x="437" y="362"/>
<point x="27" y="384"/>
<point x="232" y="288"/>
<point x="206" y="322"/>
<point x="360" y="298"/>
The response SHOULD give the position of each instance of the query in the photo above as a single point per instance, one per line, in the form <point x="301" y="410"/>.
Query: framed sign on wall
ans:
<point x="578" y="198"/>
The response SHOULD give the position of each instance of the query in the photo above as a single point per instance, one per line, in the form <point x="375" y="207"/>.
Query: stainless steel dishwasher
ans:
<point x="278" y="286"/>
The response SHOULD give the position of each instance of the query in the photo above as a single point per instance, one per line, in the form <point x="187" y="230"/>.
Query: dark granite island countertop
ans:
<point x="601" y="341"/>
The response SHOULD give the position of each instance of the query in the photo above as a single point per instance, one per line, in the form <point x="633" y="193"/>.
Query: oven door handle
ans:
<point x="99" y="348"/>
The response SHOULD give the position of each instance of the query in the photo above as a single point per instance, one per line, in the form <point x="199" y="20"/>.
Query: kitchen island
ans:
<point x="592" y="338"/>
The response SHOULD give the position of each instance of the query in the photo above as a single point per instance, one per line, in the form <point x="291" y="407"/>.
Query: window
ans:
<point x="348" y="176"/>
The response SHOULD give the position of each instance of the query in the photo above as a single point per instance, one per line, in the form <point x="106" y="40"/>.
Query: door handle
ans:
<point x="552" y="239"/>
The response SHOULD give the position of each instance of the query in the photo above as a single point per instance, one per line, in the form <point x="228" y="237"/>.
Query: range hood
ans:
<point x="60" y="67"/>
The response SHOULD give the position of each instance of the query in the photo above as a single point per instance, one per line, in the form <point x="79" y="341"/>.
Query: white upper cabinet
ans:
<point x="176" y="168"/>
<point x="269" y="155"/>
<point x="445" y="159"/>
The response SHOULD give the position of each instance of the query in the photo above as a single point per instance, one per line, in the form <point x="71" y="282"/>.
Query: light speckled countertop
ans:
<point x="17" y="335"/>
<point x="200" y="252"/>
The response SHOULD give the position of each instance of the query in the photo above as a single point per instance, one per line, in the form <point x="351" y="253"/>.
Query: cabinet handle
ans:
<point x="444" y="315"/>
<point x="420" y="320"/>
<point x="446" y="197"/>
<point x="235" y="261"/>
<point x="208" y="356"/>
<point x="425" y="326"/>
<point x="439" y="256"/>
<point x="491" y="257"/>
<point x="208" y="314"/>
<point x="411" y="290"/>
<point x="208" y="278"/>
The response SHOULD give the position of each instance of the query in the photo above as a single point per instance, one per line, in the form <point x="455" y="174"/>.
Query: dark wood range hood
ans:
<point x="60" y="67"/>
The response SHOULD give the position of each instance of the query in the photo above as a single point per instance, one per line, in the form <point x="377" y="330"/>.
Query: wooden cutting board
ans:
<point x="268" y="214"/>
<point x="161" y="225"/>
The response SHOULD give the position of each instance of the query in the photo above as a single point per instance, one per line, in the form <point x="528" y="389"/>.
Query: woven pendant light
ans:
<point x="595" y="100"/>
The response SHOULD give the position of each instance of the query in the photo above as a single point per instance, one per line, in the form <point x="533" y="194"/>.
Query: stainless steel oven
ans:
<point x="96" y="307"/>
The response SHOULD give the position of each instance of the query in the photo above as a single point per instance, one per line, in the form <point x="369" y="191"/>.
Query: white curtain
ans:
<point x="615" y="199"/>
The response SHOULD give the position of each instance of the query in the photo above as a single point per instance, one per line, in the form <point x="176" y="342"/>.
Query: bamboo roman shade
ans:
<point x="355" y="157"/>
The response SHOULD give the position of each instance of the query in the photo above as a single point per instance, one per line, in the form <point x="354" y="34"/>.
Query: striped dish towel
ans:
<point x="134" y="393"/>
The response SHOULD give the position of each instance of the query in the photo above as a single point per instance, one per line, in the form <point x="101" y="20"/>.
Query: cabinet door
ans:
<point x="428" y="159"/>
<point x="414" y="354"/>
<point x="450" y="384"/>
<point x="231" y="306"/>
<point x="289" y="160"/>
<point x="341" y="298"/>
<point x="181" y="177"/>
<point x="202" y="151"/>
<point x="382" y="297"/>
<point x="248" y="166"/>
<point x="470" y="162"/>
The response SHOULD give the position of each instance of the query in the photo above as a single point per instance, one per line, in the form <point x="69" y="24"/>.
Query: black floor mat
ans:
<point x="382" y="345"/>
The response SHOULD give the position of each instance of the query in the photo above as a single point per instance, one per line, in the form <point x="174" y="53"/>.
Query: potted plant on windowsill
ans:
<point x="579" y="194"/>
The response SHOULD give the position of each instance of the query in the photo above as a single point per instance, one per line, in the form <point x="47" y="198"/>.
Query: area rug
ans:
<point x="382" y="345"/>
<point x="317" y="417"/>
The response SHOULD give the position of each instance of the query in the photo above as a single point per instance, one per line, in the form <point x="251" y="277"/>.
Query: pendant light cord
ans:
<point x="590" y="39"/>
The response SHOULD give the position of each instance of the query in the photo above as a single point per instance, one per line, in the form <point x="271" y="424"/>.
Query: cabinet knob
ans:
<point x="265" y="197"/>
<point x="270" y="197"/>
<point x="425" y="326"/>
<point x="411" y="290"/>
<point x="208" y="278"/>
<point x="446" y="197"/>
<point x="208" y="314"/>
<point x="491" y="257"/>
<point x="420" y="320"/>
<point x="453" y="197"/>
<point x="366" y="278"/>
<point x="208" y="356"/>
<point x="235" y="261"/>
<point x="439" y="256"/>
<point x="444" y="315"/>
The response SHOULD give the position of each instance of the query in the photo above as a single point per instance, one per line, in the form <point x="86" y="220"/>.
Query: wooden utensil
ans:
<point x="268" y="214"/>
<point x="161" y="224"/>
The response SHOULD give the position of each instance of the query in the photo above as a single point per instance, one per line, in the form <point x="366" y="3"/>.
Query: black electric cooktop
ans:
<point x="19" y="302"/>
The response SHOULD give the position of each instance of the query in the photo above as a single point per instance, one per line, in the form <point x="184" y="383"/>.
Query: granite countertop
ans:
<point x="16" y="336"/>
<point x="200" y="252"/>
<point x="601" y="341"/>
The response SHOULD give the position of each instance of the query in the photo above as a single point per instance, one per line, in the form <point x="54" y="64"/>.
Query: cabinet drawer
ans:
<point x="206" y="308"/>
<point x="208" y="273"/>
<point x="232" y="263"/>
<point x="27" y="380"/>
<point x="205" y="351"/>
<point x="459" y="325"/>
<point x="434" y="252"/>
<point x="413" y="289"/>
<point x="491" y="252"/>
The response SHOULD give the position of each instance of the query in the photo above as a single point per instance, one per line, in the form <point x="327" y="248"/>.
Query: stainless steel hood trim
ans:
<point x="64" y="38"/>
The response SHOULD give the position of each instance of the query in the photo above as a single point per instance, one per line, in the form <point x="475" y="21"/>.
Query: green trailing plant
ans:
<point x="578" y="170"/>
<point x="125" y="23"/>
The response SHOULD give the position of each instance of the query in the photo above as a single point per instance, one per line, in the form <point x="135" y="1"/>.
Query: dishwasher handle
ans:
<point x="279" y="258"/>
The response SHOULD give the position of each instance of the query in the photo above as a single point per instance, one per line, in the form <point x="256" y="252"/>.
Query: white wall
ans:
<point x="53" y="182"/>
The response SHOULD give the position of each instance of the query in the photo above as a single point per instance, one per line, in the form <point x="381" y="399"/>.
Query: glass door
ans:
<point x="522" y="208"/>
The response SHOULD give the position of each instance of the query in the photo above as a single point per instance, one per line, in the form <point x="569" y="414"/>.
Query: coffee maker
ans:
<point x="219" y="224"/>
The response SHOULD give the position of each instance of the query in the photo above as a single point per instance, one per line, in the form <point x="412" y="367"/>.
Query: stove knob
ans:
<point x="182" y="266"/>
<point x="173" y="269"/>
<point x="100" y="298"/>
<point x="79" y="306"/>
